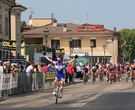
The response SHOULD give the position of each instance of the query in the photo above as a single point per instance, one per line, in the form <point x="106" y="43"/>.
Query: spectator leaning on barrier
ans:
<point x="1" y="67"/>
<point x="40" y="76"/>
<point x="14" y="69"/>
<point x="29" y="72"/>
<point x="4" y="67"/>
<point x="8" y="67"/>
<point x="34" y="78"/>
<point x="21" y="66"/>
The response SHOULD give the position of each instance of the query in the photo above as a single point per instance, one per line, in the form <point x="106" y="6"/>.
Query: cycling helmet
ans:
<point x="94" y="69"/>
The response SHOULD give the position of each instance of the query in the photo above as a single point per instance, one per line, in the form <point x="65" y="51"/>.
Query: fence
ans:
<point x="19" y="83"/>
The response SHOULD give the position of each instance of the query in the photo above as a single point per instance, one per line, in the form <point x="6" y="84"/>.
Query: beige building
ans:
<point x="10" y="29"/>
<point x="87" y="40"/>
<point x="36" y="22"/>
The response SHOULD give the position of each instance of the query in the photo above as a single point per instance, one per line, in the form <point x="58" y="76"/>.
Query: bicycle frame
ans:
<point x="57" y="91"/>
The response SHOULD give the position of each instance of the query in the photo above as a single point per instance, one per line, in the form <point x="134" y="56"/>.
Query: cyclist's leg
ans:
<point x="55" y="84"/>
<point x="61" y="84"/>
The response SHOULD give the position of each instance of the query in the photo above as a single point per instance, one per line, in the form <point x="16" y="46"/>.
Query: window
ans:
<point x="55" y="44"/>
<point x="76" y="43"/>
<point x="94" y="42"/>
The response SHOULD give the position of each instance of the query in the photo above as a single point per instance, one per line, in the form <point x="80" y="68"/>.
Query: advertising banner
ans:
<point x="1" y="80"/>
<point x="9" y="44"/>
<point x="60" y="51"/>
<point x="50" y="75"/>
<point x="7" y="81"/>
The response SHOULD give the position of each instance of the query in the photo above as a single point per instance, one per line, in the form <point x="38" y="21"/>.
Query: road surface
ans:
<point x="77" y="96"/>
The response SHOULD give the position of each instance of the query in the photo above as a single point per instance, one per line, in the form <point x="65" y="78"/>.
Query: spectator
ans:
<point x="29" y="72"/>
<point x="40" y="75"/>
<point x="44" y="68"/>
<point x="14" y="69"/>
<point x="1" y="67"/>
<point x="4" y="67"/>
<point x="70" y="72"/>
<point x="8" y="67"/>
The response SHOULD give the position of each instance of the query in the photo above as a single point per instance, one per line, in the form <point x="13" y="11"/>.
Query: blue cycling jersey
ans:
<point x="59" y="67"/>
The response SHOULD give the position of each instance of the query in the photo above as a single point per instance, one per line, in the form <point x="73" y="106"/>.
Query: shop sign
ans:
<point x="60" y="51"/>
<point x="9" y="45"/>
<point x="90" y="28"/>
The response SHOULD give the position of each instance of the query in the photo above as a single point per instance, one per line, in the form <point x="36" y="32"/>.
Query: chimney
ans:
<point x="114" y="28"/>
<point x="54" y="22"/>
<point x="65" y="28"/>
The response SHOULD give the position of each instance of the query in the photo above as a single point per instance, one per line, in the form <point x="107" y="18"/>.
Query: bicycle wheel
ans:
<point x="57" y="94"/>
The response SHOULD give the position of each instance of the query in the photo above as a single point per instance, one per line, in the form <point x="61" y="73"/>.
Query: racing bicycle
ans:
<point x="57" y="92"/>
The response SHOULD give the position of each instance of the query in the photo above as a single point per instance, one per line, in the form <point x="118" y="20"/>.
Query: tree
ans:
<point x="23" y="23"/>
<point x="128" y="46"/>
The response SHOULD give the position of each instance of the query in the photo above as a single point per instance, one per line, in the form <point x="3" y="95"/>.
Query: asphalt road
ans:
<point x="77" y="96"/>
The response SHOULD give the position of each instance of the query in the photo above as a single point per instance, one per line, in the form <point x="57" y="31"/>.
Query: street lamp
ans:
<point x="91" y="45"/>
<point x="46" y="33"/>
<point x="104" y="47"/>
<point x="70" y="44"/>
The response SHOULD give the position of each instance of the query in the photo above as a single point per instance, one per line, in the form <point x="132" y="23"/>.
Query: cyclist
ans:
<point x="59" y="66"/>
<point x="93" y="73"/>
<point x="85" y="72"/>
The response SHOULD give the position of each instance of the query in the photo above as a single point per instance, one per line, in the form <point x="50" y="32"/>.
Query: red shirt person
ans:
<point x="44" y="68"/>
<point x="70" y="70"/>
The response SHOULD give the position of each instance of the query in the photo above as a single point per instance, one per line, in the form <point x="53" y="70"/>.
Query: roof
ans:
<point x="13" y="4"/>
<point x="42" y="18"/>
<point x="72" y="29"/>
<point x="9" y="2"/>
<point x="17" y="5"/>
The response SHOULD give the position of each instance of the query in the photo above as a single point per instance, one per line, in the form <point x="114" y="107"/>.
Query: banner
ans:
<point x="1" y="81"/>
<point x="15" y="81"/>
<point x="9" y="44"/>
<point x="50" y="75"/>
<point x="60" y="51"/>
<point x="7" y="81"/>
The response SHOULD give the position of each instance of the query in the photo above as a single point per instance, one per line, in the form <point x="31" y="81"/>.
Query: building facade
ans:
<point x="88" y="40"/>
<point x="10" y="33"/>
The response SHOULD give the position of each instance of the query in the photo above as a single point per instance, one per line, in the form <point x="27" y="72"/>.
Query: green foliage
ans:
<point x="128" y="47"/>
<point x="23" y="23"/>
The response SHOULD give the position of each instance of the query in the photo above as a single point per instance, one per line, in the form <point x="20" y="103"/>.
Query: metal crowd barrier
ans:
<point x="10" y="84"/>
<point x="19" y="83"/>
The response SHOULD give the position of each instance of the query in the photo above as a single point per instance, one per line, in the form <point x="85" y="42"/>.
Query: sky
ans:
<point x="110" y="13"/>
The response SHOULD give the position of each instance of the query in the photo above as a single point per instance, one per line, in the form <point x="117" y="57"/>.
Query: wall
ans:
<point x="39" y="22"/>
